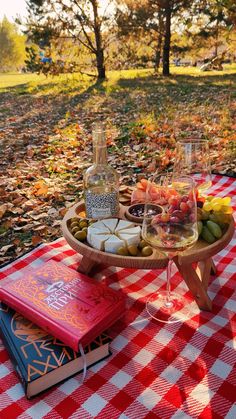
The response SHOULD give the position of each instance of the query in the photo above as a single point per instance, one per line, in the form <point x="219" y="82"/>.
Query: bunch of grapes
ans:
<point x="218" y="204"/>
<point x="213" y="217"/>
<point x="178" y="208"/>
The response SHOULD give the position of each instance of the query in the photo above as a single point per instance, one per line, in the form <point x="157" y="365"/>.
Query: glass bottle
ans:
<point x="101" y="181"/>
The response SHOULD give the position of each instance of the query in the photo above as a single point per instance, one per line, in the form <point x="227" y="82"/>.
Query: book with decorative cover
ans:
<point x="40" y="359"/>
<point x="69" y="305"/>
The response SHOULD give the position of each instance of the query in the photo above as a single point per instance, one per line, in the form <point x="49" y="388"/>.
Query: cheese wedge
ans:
<point x="132" y="230"/>
<point x="96" y="232"/>
<point x="99" y="225"/>
<point x="110" y="223"/>
<point x="129" y="239"/>
<point x="123" y="224"/>
<point x="97" y="240"/>
<point x="113" y="244"/>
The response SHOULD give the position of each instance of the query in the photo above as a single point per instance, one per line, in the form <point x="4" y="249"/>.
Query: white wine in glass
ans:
<point x="171" y="232"/>
<point x="193" y="159"/>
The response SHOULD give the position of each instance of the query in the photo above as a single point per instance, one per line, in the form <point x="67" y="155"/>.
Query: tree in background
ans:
<point x="141" y="22"/>
<point x="215" y="20"/>
<point x="12" y="46"/>
<point x="78" y="21"/>
<point x="156" y="18"/>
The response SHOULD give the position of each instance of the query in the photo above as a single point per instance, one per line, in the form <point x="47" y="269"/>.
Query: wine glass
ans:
<point x="193" y="159"/>
<point x="171" y="232"/>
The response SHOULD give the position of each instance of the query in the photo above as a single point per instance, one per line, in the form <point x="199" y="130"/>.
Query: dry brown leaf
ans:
<point x="5" y="249"/>
<point x="36" y="240"/>
<point x="41" y="229"/>
<point x="3" y="209"/>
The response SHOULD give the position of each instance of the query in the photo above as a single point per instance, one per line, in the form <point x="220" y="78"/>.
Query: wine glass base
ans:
<point x="173" y="310"/>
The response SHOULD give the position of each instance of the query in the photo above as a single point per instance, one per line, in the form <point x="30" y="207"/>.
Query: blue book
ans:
<point x="40" y="359"/>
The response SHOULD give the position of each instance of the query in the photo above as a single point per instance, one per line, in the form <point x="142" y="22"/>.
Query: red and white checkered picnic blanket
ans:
<point x="156" y="370"/>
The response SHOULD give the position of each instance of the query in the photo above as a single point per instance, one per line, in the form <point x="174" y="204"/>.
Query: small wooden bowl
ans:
<point x="138" y="219"/>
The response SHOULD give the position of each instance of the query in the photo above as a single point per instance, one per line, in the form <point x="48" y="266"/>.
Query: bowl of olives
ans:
<point x="135" y="212"/>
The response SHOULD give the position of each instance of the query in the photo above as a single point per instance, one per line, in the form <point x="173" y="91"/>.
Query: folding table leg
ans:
<point x="86" y="265"/>
<point x="197" y="284"/>
<point x="205" y="268"/>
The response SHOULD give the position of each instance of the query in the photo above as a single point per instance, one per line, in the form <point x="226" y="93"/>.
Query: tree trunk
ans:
<point x="157" y="58"/>
<point x="167" y="39"/>
<point x="98" y="39"/>
<point x="100" y="65"/>
<point x="159" y="43"/>
<point x="217" y="38"/>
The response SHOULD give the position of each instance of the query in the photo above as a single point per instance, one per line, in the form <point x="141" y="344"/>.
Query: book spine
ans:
<point x="40" y="319"/>
<point x="14" y="356"/>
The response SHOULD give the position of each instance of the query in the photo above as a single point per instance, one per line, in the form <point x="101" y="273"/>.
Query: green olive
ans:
<point x="147" y="251"/>
<point x="85" y="229"/>
<point x="75" y="229"/>
<point x="133" y="250"/>
<point x="81" y="235"/>
<point x="83" y="223"/>
<point x="122" y="251"/>
<point x="74" y="224"/>
<point x="74" y="219"/>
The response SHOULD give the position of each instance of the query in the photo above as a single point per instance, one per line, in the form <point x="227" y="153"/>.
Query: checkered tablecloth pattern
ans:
<point x="156" y="371"/>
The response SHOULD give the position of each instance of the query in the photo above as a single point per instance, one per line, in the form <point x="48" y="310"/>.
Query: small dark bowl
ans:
<point x="135" y="212"/>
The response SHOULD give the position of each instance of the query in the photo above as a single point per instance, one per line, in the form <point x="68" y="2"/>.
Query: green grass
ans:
<point x="16" y="79"/>
<point x="116" y="81"/>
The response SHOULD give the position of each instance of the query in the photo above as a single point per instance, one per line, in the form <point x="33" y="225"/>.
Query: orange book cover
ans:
<point x="69" y="305"/>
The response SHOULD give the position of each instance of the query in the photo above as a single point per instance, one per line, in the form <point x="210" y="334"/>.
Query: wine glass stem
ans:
<point x="168" y="288"/>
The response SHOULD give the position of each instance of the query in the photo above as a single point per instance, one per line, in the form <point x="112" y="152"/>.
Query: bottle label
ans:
<point x="101" y="205"/>
<point x="101" y="212"/>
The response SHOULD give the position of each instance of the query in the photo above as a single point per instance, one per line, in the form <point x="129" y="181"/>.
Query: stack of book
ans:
<point x="47" y="314"/>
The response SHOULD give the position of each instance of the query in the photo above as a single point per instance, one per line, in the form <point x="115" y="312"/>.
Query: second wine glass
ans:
<point x="171" y="232"/>
<point x="193" y="159"/>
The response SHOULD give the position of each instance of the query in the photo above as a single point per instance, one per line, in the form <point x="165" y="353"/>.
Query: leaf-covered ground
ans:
<point x="45" y="139"/>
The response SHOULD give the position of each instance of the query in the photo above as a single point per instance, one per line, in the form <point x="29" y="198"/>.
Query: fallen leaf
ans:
<point x="3" y="209"/>
<point x="36" y="240"/>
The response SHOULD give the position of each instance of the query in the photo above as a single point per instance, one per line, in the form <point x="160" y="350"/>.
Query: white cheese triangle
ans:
<point x="113" y="244"/>
<point x="110" y="223"/>
<point x="95" y="232"/>
<point x="100" y="226"/>
<point x="132" y="230"/>
<point x="97" y="240"/>
<point x="123" y="224"/>
<point x="129" y="239"/>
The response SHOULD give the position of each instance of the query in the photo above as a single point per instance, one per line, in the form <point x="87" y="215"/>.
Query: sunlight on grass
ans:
<point x="16" y="79"/>
<point x="116" y="80"/>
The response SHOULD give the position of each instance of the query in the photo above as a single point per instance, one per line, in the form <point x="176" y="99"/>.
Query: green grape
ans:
<point x="219" y="218"/>
<point x="199" y="227"/>
<point x="214" y="229"/>
<point x="207" y="235"/>
<point x="214" y="217"/>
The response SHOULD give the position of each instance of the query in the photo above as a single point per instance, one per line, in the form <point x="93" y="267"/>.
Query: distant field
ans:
<point x="33" y="83"/>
